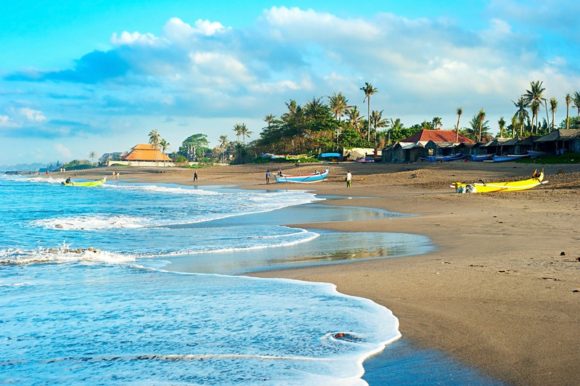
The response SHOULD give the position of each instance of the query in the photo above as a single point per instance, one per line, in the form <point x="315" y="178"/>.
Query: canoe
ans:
<point x="303" y="179"/>
<point x="507" y="158"/>
<point x="510" y="186"/>
<point x="481" y="157"/>
<point x="444" y="158"/>
<point x="87" y="184"/>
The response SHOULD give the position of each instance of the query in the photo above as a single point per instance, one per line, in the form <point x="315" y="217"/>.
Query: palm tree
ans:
<point x="369" y="90"/>
<point x="154" y="138"/>
<point x="577" y="101"/>
<point x="164" y="144"/>
<point x="553" y="108"/>
<point x="535" y="94"/>
<point x="269" y="119"/>
<point x="535" y="107"/>
<point x="481" y="123"/>
<point x="501" y="124"/>
<point x="568" y="102"/>
<point x="437" y="123"/>
<point x="516" y="125"/>
<point x="354" y="118"/>
<point x="223" y="145"/>
<point x="377" y="120"/>
<point x="521" y="112"/>
<point x="241" y="130"/>
<point x="92" y="156"/>
<point x="459" y="114"/>
<point x="338" y="105"/>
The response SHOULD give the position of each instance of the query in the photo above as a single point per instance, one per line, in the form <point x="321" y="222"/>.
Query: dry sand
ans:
<point x="501" y="292"/>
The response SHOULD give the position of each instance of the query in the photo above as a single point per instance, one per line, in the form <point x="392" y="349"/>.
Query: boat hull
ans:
<point x="446" y="158"/>
<point x="87" y="184"/>
<point x="508" y="158"/>
<point x="305" y="179"/>
<point x="489" y="187"/>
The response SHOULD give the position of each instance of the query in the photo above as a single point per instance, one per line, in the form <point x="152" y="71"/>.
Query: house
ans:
<point x="426" y="143"/>
<point x="560" y="141"/>
<point x="145" y="155"/>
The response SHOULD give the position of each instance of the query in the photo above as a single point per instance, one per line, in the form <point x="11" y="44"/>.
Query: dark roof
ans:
<point x="560" y="135"/>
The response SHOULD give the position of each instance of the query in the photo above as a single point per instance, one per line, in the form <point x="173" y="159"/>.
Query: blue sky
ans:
<point x="81" y="76"/>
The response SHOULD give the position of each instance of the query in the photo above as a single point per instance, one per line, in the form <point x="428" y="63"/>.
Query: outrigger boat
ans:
<point x="303" y="179"/>
<point x="88" y="184"/>
<point x="509" y="186"/>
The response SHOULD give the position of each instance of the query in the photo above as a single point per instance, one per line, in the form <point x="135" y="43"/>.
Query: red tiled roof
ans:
<point x="437" y="136"/>
<point x="146" y="152"/>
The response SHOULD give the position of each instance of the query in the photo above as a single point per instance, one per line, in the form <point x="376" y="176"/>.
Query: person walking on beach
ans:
<point x="268" y="175"/>
<point x="348" y="179"/>
<point x="194" y="176"/>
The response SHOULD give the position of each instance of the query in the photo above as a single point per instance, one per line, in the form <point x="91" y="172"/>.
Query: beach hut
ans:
<point x="560" y="141"/>
<point x="146" y="155"/>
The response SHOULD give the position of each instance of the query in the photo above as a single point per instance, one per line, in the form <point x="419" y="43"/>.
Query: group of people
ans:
<point x="269" y="175"/>
<point x="116" y="175"/>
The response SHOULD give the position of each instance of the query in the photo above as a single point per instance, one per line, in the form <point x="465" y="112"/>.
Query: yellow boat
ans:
<point x="88" y="184"/>
<point x="509" y="186"/>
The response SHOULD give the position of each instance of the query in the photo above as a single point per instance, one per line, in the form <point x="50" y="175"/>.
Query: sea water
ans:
<point x="91" y="291"/>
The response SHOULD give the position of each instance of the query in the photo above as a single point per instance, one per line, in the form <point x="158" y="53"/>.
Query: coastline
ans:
<point x="496" y="294"/>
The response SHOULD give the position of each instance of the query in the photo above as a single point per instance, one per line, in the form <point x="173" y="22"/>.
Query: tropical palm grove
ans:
<point x="331" y="123"/>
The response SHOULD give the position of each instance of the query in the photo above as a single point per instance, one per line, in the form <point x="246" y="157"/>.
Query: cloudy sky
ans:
<point x="80" y="75"/>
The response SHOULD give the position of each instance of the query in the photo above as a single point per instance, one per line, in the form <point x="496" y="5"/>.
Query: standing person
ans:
<point x="194" y="176"/>
<point x="348" y="179"/>
<point x="268" y="175"/>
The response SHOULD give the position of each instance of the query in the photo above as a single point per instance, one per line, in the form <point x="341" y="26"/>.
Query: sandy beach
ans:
<point x="502" y="290"/>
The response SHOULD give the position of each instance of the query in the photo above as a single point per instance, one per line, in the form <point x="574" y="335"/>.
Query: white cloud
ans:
<point x="134" y="38"/>
<point x="31" y="115"/>
<point x="208" y="28"/>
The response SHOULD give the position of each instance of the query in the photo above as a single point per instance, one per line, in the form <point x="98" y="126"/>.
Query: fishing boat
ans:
<point x="87" y="184"/>
<point x="481" y="157"/>
<point x="303" y="179"/>
<point x="444" y="158"/>
<point x="509" y="186"/>
<point x="507" y="158"/>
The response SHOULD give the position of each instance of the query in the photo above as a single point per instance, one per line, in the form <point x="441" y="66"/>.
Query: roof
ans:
<point x="437" y="136"/>
<point x="146" y="152"/>
<point x="560" y="135"/>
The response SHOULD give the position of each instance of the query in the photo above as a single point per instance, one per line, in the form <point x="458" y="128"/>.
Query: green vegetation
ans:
<point x="566" y="158"/>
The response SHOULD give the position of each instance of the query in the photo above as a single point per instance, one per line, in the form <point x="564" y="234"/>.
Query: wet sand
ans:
<point x="502" y="290"/>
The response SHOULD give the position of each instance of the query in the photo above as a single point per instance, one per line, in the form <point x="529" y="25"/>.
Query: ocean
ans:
<point x="143" y="284"/>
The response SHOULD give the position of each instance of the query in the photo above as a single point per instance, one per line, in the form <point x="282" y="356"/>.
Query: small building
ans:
<point x="426" y="143"/>
<point x="145" y="155"/>
<point x="357" y="153"/>
<point x="560" y="141"/>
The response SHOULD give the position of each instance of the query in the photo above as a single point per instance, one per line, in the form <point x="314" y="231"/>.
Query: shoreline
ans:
<point x="496" y="294"/>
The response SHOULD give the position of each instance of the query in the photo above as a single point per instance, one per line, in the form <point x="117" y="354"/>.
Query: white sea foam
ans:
<point x="61" y="254"/>
<point x="91" y="223"/>
<point x="307" y="237"/>
<point x="164" y="189"/>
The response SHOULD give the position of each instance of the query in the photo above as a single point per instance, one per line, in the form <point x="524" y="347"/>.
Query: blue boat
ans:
<point x="444" y="158"/>
<point x="508" y="158"/>
<point x="481" y="157"/>
<point x="303" y="179"/>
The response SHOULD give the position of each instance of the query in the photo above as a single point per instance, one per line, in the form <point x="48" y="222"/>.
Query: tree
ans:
<point x="437" y="123"/>
<point x="521" y="113"/>
<point x="194" y="146"/>
<point x="338" y="105"/>
<point x="478" y="126"/>
<point x="459" y="114"/>
<point x="534" y="97"/>
<point x="354" y="118"/>
<point x="92" y="156"/>
<point x="377" y="120"/>
<point x="369" y="90"/>
<point x="553" y="108"/>
<point x="163" y="144"/>
<point x="568" y="102"/>
<point x="577" y="101"/>
<point x="154" y="138"/>
<point x="501" y="124"/>
<point x="242" y="130"/>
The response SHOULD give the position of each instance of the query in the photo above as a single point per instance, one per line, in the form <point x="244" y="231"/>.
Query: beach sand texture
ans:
<point x="501" y="292"/>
